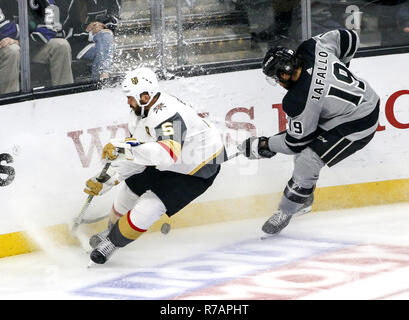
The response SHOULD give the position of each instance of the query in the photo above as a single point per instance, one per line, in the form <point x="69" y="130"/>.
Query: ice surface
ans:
<point x="360" y="253"/>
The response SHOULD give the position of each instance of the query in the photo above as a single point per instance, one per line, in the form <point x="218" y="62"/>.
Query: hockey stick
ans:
<point x="79" y="219"/>
<point x="234" y="155"/>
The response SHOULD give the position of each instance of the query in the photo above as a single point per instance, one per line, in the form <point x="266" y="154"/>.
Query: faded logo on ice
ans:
<point x="206" y="274"/>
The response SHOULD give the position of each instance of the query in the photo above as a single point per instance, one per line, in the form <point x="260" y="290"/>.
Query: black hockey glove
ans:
<point x="256" y="148"/>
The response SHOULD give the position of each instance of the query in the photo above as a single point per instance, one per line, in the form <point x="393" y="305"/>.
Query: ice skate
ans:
<point x="103" y="251"/>
<point x="307" y="207"/>
<point x="96" y="239"/>
<point x="278" y="221"/>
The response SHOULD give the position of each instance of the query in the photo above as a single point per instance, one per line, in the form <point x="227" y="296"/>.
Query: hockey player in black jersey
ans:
<point x="331" y="114"/>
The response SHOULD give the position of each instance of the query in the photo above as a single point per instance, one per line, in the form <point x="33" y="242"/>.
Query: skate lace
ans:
<point x="107" y="248"/>
<point x="278" y="218"/>
<point x="97" y="238"/>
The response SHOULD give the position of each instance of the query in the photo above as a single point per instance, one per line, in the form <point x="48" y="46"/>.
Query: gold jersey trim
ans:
<point x="200" y="166"/>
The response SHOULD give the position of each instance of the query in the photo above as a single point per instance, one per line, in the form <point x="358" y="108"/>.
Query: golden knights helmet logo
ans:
<point x="134" y="80"/>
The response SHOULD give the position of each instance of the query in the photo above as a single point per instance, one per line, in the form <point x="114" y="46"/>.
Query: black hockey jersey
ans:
<point x="327" y="95"/>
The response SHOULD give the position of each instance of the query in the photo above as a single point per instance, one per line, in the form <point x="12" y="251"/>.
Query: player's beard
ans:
<point x="137" y="109"/>
<point x="287" y="84"/>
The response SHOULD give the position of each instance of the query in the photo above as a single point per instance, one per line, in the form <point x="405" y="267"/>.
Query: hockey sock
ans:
<point x="114" y="215"/>
<point x="124" y="231"/>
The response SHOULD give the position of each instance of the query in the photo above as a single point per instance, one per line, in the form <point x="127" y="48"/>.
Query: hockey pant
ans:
<point x="307" y="167"/>
<point x="133" y="215"/>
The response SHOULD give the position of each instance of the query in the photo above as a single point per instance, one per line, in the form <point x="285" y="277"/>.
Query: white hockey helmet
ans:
<point x="139" y="81"/>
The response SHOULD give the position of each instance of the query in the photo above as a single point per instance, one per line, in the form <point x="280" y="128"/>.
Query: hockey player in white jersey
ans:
<point x="331" y="114"/>
<point x="171" y="158"/>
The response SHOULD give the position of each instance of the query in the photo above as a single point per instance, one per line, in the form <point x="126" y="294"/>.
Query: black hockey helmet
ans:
<point x="279" y="60"/>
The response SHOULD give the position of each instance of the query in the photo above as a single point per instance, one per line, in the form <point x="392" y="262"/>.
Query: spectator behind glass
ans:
<point x="47" y="43"/>
<point x="322" y="18"/>
<point x="90" y="25"/>
<point x="403" y="21"/>
<point x="9" y="50"/>
<point x="393" y="20"/>
<point x="277" y="31"/>
<point x="282" y="32"/>
<point x="283" y="20"/>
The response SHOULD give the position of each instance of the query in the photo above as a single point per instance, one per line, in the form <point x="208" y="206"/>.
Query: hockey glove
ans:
<point x="97" y="187"/>
<point x="256" y="148"/>
<point x="120" y="150"/>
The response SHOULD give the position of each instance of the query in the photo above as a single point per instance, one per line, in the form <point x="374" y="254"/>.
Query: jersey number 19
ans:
<point x="345" y="76"/>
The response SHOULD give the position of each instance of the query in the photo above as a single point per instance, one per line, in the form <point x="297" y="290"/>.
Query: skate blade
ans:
<point x="269" y="236"/>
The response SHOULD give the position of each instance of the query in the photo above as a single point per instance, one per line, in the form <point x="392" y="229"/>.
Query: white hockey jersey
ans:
<point x="175" y="138"/>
